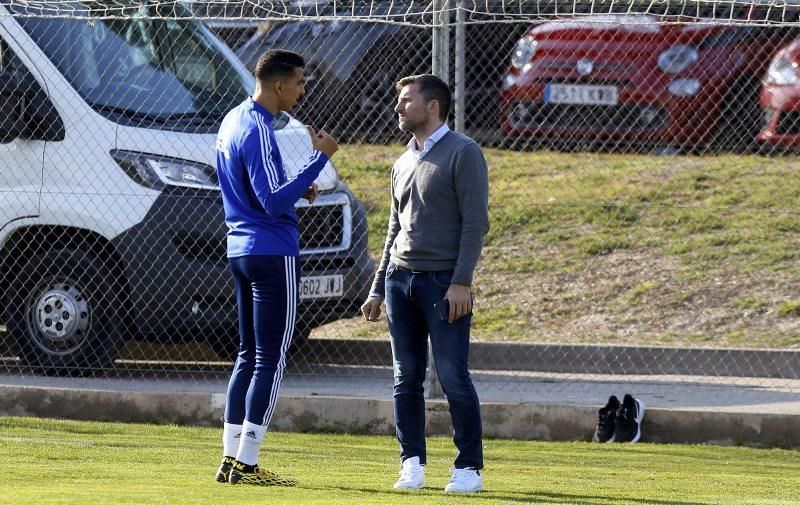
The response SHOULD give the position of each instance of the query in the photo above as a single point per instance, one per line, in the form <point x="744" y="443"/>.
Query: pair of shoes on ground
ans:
<point x="620" y="422"/>
<point x="463" y="480"/>
<point x="233" y="472"/>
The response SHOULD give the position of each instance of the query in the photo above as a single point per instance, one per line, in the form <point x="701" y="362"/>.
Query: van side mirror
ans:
<point x="12" y="106"/>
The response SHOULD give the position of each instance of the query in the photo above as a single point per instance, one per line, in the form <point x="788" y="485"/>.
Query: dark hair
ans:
<point x="431" y="88"/>
<point x="277" y="63"/>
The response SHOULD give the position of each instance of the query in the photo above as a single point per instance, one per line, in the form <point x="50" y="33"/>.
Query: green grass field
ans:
<point x="614" y="248"/>
<point x="47" y="461"/>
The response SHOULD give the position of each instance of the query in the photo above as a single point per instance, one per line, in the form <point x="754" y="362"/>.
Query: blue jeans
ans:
<point x="410" y="297"/>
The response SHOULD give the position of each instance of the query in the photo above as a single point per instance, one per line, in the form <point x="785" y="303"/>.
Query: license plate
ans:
<point x="322" y="286"/>
<point x="581" y="94"/>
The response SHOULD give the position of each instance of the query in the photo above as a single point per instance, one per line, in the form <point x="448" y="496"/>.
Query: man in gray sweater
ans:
<point x="439" y="217"/>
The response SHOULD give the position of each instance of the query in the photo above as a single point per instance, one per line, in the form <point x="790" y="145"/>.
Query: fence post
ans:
<point x="440" y="65"/>
<point x="461" y="47"/>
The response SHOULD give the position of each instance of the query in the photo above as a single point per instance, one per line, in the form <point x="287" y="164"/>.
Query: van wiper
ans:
<point x="194" y="118"/>
<point x="199" y="117"/>
<point x="128" y="113"/>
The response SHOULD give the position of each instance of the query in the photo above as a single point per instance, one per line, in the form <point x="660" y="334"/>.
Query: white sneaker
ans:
<point x="412" y="475"/>
<point x="465" y="480"/>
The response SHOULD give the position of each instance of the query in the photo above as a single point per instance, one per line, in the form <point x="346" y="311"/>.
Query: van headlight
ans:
<point x="158" y="172"/>
<point x="677" y="58"/>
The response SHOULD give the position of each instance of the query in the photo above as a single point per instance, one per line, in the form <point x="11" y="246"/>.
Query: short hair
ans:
<point x="277" y="63"/>
<point x="431" y="88"/>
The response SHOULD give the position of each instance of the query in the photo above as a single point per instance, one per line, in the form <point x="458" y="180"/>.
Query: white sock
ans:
<point x="250" y="444"/>
<point x="231" y="433"/>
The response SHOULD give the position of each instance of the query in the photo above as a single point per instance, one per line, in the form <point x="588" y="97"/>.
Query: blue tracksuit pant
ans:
<point x="267" y="297"/>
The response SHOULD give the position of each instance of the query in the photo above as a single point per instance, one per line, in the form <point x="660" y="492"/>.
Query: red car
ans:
<point x="638" y="79"/>
<point x="780" y="99"/>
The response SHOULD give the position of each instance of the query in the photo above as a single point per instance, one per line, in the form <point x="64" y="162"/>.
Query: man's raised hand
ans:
<point x="323" y="141"/>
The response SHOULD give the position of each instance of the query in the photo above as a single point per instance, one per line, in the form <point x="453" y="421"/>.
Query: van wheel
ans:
<point x="66" y="313"/>
<point x="227" y="345"/>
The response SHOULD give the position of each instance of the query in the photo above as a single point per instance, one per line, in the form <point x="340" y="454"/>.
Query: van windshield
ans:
<point x="137" y="59"/>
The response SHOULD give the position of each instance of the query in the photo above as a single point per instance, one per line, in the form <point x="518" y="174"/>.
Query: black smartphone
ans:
<point x="443" y="309"/>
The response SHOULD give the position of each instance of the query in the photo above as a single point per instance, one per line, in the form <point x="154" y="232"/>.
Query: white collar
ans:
<point x="433" y="139"/>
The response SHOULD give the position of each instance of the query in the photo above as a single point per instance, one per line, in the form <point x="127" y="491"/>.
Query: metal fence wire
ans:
<point x="644" y="184"/>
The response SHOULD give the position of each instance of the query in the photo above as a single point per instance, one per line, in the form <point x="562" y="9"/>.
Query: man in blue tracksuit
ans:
<point x="263" y="249"/>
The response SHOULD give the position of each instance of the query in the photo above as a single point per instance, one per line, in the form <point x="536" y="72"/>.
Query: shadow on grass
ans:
<point x="513" y="497"/>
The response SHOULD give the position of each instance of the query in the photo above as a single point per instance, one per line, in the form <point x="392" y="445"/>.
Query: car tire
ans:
<point x="739" y="119"/>
<point x="66" y="313"/>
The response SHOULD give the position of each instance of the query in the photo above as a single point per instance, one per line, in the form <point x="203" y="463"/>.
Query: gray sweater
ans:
<point x="440" y="211"/>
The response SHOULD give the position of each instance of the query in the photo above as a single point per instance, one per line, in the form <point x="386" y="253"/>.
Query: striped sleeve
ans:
<point x="276" y="193"/>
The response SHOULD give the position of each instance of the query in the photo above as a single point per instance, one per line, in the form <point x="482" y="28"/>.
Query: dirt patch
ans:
<point x="631" y="297"/>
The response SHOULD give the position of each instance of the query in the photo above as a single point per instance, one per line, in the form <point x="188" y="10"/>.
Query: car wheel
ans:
<point x="66" y="313"/>
<point x="740" y="117"/>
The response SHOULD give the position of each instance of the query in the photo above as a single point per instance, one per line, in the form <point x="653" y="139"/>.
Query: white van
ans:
<point x="111" y="221"/>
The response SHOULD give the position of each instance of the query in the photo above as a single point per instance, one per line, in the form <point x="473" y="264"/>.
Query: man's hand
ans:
<point x="311" y="193"/>
<point x="460" y="297"/>
<point x="323" y="141"/>
<point x="372" y="308"/>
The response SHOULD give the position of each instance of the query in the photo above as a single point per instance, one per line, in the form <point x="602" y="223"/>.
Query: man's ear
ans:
<point x="433" y="106"/>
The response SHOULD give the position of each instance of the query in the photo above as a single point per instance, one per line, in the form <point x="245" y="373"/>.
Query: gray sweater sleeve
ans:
<point x="378" y="287"/>
<point x="472" y="190"/>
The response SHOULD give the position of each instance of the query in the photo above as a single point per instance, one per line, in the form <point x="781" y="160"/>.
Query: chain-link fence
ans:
<point x="644" y="188"/>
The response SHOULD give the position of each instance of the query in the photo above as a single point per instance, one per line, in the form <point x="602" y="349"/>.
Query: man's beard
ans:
<point x="408" y="125"/>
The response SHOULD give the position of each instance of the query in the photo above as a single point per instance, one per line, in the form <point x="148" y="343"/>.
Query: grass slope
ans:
<point x="623" y="248"/>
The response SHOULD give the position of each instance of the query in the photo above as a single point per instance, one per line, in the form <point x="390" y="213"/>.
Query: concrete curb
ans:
<point x="584" y="359"/>
<point x="374" y="416"/>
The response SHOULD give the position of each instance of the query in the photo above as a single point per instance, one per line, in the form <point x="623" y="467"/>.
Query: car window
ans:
<point x="339" y="45"/>
<point x="42" y="120"/>
<point x="8" y="60"/>
<point x="188" y="58"/>
<point x="3" y="65"/>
